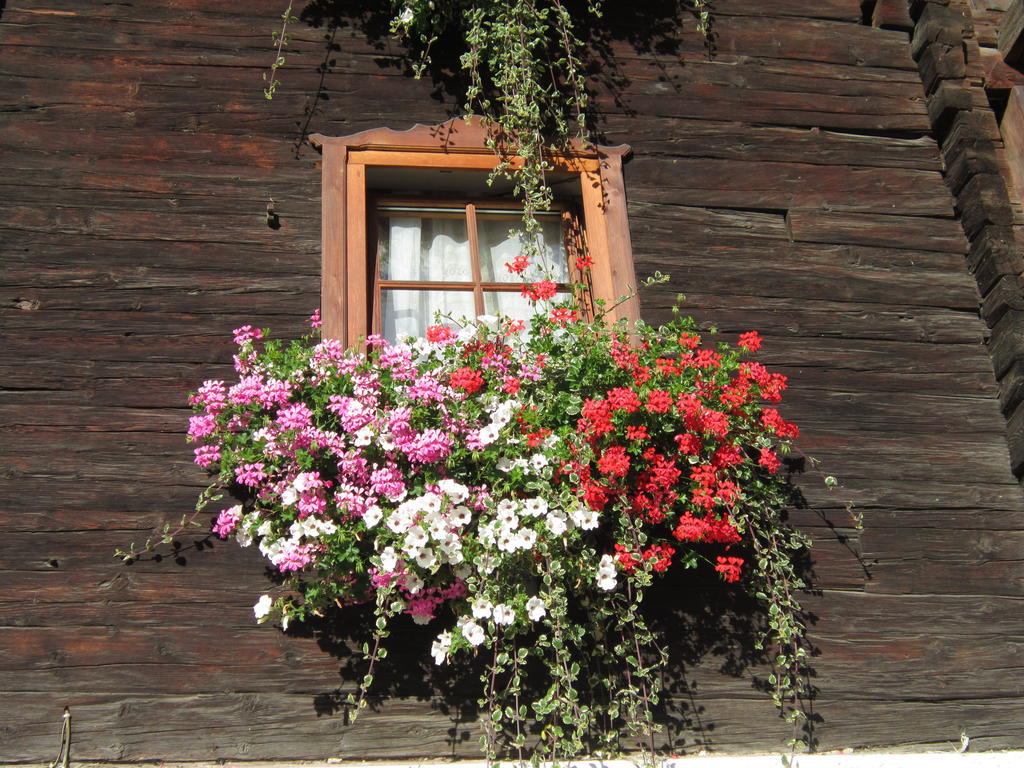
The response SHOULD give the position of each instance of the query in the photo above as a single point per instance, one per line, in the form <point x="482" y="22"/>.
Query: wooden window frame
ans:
<point x="461" y="143"/>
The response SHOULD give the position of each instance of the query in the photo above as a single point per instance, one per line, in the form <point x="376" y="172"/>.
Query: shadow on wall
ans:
<point x="653" y="27"/>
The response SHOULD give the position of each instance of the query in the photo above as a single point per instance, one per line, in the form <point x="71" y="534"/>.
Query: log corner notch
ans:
<point x="950" y="63"/>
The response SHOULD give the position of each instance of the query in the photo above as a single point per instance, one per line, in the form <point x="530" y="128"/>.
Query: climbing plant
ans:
<point x="523" y="62"/>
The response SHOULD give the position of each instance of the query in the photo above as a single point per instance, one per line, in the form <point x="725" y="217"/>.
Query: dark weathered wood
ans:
<point x="791" y="182"/>
<point x="1011" y="33"/>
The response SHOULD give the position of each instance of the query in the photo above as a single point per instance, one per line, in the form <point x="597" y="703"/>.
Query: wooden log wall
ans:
<point x="793" y="181"/>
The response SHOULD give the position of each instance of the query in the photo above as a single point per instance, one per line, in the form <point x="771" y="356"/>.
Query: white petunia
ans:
<point x="363" y="436"/>
<point x="527" y="537"/>
<point x="372" y="516"/>
<point x="486" y="563"/>
<point x="504" y="464"/>
<point x="456" y="491"/>
<point x="430" y="503"/>
<point x="538" y="461"/>
<point x="585" y="518"/>
<point x="439" y="650"/>
<point x="507" y="540"/>
<point x="386" y="441"/>
<point x="535" y="507"/>
<point x="503" y="615"/>
<point x="426" y="558"/>
<point x="473" y="632"/>
<point x="481" y="608"/>
<point x="262" y="608"/>
<point x="606" y="573"/>
<point x="413" y="583"/>
<point x="556" y="522"/>
<point x="289" y="496"/>
<point x="506" y="507"/>
<point x="487" y="435"/>
<point x="388" y="559"/>
<point x="535" y="609"/>
<point x="460" y="516"/>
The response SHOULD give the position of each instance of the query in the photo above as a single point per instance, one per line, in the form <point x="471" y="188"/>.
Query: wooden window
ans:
<point x="359" y="277"/>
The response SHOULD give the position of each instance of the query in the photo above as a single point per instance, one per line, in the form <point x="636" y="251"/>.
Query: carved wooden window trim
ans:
<point x="346" y="285"/>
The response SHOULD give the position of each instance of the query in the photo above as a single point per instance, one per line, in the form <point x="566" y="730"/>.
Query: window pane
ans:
<point x="424" y="248"/>
<point x="514" y="305"/>
<point x="498" y="247"/>
<point x="409" y="312"/>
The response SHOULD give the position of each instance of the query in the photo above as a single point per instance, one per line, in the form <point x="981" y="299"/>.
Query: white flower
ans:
<point x="585" y="518"/>
<point x="262" y="608"/>
<point x="289" y="496"/>
<point x="439" y="650"/>
<point x="556" y="523"/>
<point x="430" y="503"/>
<point x="304" y="481"/>
<point x="535" y="609"/>
<point x="504" y="615"/>
<point x="363" y="437"/>
<point x="372" y="516"/>
<point x="388" y="559"/>
<point x="264" y="529"/>
<point x="400" y="520"/>
<point x="413" y="583"/>
<point x="473" y="632"/>
<point x="535" y="507"/>
<point x="504" y="464"/>
<point x="438" y="529"/>
<point x="481" y="608"/>
<point x="426" y="558"/>
<point x="243" y="536"/>
<point x="457" y="492"/>
<point x="606" y="573"/>
<point x="507" y="540"/>
<point x="386" y="441"/>
<point x="526" y="538"/>
<point x="460" y="516"/>
<point x="462" y="572"/>
<point x="487" y="435"/>
<point x="416" y="538"/>
<point x="404" y="18"/>
<point x="486" y="563"/>
<point x="538" y="461"/>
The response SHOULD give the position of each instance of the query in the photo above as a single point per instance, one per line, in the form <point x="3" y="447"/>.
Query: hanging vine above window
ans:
<point x="524" y="63"/>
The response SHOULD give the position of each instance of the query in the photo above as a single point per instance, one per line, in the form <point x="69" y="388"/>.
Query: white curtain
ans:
<point x="426" y="250"/>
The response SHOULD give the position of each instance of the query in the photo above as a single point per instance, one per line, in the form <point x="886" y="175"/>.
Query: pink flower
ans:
<point x="227" y="521"/>
<point x="314" y="319"/>
<point x="201" y="425"/>
<point x="294" y="557"/>
<point x="295" y="416"/>
<point x="251" y="474"/>
<point x="246" y="333"/>
<point x="207" y="455"/>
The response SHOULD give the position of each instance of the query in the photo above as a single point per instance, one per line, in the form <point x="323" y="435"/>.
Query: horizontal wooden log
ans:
<point x="927" y="234"/>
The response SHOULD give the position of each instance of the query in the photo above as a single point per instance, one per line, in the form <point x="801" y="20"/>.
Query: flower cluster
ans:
<point x="493" y="477"/>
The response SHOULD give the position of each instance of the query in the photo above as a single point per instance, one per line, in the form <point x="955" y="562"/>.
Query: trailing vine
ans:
<point x="525" y="69"/>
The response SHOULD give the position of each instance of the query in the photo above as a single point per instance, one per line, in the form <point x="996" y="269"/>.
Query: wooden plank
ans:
<point x="923" y="233"/>
<point x="1011" y="33"/>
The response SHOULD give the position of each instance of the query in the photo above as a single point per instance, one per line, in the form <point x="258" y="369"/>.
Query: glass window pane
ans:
<point x="499" y="246"/>
<point x="424" y="248"/>
<point x="409" y="312"/>
<point x="514" y="305"/>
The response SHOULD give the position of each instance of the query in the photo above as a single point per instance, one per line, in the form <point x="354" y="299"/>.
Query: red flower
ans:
<point x="511" y="385"/>
<point x="467" y="379"/>
<point x="769" y="460"/>
<point x="545" y="289"/>
<point x="659" y="401"/>
<point x="437" y="333"/>
<point x="636" y="433"/>
<point x="773" y="422"/>
<point x="583" y="261"/>
<point x="623" y="399"/>
<point x="519" y="264"/>
<point x="564" y="316"/>
<point x="689" y="341"/>
<point x="689" y="445"/>
<point x="750" y="341"/>
<point x="731" y="568"/>
<point x="614" y="461"/>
